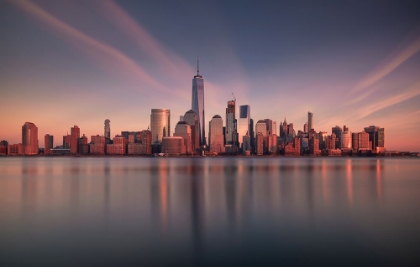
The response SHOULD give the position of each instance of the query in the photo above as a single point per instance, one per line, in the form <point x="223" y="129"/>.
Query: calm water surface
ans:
<point x="209" y="211"/>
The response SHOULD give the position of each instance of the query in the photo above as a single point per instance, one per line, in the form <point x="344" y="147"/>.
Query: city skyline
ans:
<point x="62" y="65"/>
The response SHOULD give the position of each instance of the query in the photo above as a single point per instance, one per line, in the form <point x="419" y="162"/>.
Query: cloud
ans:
<point x="394" y="63"/>
<point x="104" y="55"/>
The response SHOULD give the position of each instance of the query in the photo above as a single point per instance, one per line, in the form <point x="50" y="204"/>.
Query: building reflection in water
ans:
<point x="349" y="179"/>
<point x="29" y="186"/>
<point x="378" y="179"/>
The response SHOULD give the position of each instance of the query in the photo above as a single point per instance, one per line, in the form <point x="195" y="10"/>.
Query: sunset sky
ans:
<point x="354" y="63"/>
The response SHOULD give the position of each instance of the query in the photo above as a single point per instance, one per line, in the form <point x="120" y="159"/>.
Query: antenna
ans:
<point x="198" y="62"/>
<point x="234" y="98"/>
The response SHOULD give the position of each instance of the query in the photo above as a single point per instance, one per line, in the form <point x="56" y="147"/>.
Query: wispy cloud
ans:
<point x="105" y="55"/>
<point x="389" y="67"/>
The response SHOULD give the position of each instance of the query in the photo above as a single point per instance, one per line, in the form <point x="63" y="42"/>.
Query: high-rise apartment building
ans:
<point x="160" y="124"/>
<point x="74" y="139"/>
<point x="30" y="139"/>
<point x="310" y="121"/>
<point x="216" y="135"/>
<point x="230" y="122"/>
<point x="198" y="104"/>
<point x="243" y="123"/>
<point x="48" y="144"/>
<point x="107" y="129"/>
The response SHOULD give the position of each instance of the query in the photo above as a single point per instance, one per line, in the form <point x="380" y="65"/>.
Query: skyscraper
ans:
<point x="230" y="121"/>
<point x="243" y="122"/>
<point x="30" y="139"/>
<point x="216" y="134"/>
<point x="192" y="119"/>
<point x="48" y="144"/>
<point x="198" y="104"/>
<point x="377" y="137"/>
<point x="74" y="139"/>
<point x="160" y="124"/>
<point x="107" y="129"/>
<point x="310" y="121"/>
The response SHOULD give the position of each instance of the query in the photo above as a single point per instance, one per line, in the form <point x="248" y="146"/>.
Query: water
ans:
<point x="209" y="211"/>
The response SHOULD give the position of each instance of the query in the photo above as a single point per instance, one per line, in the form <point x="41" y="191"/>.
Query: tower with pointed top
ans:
<point x="198" y="103"/>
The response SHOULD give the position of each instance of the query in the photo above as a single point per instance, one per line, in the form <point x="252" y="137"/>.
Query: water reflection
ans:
<point x="193" y="210"/>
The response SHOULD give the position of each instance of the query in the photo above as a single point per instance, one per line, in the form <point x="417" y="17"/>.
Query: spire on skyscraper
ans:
<point x="198" y="65"/>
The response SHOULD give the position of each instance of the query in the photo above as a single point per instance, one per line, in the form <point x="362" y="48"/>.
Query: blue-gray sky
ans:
<point x="80" y="62"/>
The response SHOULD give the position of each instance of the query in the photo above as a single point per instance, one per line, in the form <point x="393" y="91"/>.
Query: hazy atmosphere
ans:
<point x="353" y="63"/>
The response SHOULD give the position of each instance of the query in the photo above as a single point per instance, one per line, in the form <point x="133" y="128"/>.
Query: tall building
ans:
<point x="48" y="144"/>
<point x="337" y="131"/>
<point x="183" y="130"/>
<point x="191" y="118"/>
<point x="74" y="139"/>
<point x="376" y="137"/>
<point x="262" y="127"/>
<point x="259" y="143"/>
<point x="364" y="141"/>
<point x="216" y="134"/>
<point x="30" y="139"/>
<point x="310" y="121"/>
<point x="160" y="124"/>
<point x="283" y="130"/>
<point x="355" y="141"/>
<point x="198" y="104"/>
<point x="230" y="122"/>
<point x="274" y="130"/>
<point x="272" y="144"/>
<point x="66" y="141"/>
<point x="243" y="123"/>
<point x="346" y="139"/>
<point x="305" y="128"/>
<point x="107" y="129"/>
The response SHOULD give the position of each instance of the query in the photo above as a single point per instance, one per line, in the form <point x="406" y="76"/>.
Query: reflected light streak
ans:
<point x="349" y="179"/>
<point x="378" y="179"/>
<point x="325" y="193"/>
<point x="163" y="190"/>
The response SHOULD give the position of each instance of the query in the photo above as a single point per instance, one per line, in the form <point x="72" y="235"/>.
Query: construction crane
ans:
<point x="234" y="98"/>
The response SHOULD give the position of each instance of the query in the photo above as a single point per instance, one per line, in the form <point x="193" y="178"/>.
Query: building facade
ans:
<point x="198" y="104"/>
<point x="230" y="122"/>
<point x="183" y="130"/>
<point x="48" y="144"/>
<point x="243" y="123"/>
<point x="216" y="135"/>
<point x="74" y="139"/>
<point x="107" y="129"/>
<point x="160" y="124"/>
<point x="173" y="145"/>
<point x="30" y="139"/>
<point x="310" y="121"/>
<point x="191" y="118"/>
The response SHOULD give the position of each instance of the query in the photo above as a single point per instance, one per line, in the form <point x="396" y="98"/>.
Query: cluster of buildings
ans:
<point x="238" y="134"/>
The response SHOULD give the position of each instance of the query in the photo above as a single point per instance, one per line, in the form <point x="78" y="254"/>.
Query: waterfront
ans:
<point x="209" y="211"/>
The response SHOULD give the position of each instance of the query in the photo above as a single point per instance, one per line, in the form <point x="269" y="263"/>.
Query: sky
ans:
<point x="354" y="63"/>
